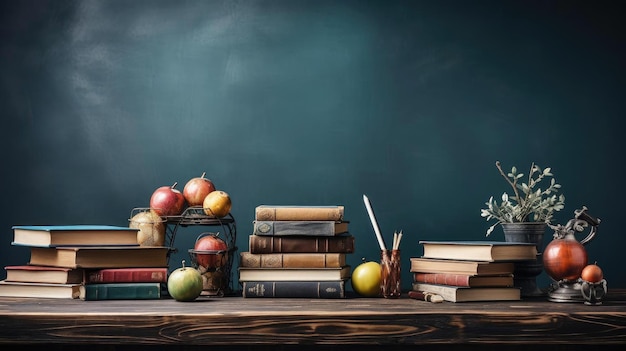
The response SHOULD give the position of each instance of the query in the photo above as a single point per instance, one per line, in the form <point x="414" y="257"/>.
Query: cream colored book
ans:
<point x="491" y="251"/>
<point x="294" y="274"/>
<point x="465" y="294"/>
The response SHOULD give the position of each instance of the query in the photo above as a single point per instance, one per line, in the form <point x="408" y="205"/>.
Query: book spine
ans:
<point x="443" y="279"/>
<point x="448" y="293"/>
<point x="260" y="244"/>
<point x="128" y="275"/>
<point x="312" y="228"/>
<point x="299" y="213"/>
<point x="301" y="260"/>
<point x="120" y="291"/>
<point x="312" y="289"/>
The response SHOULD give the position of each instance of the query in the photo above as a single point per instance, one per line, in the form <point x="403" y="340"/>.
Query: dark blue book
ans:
<point x="295" y="289"/>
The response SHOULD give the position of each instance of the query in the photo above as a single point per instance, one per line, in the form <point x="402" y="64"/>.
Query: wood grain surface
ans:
<point x="232" y="321"/>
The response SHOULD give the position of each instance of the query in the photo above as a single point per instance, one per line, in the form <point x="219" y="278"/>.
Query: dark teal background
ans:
<point x="312" y="102"/>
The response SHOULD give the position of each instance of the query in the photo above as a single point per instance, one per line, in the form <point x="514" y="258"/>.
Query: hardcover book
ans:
<point x="128" y="275"/>
<point x="44" y="274"/>
<point x="432" y="265"/>
<point x="295" y="289"/>
<point x="120" y="291"/>
<point x="292" y="260"/>
<point x="40" y="290"/>
<point x="259" y="244"/>
<point x="466" y="280"/>
<point x="100" y="257"/>
<point x="465" y="294"/>
<point x="298" y="213"/>
<point x="299" y="274"/>
<point x="479" y="250"/>
<point x="310" y="228"/>
<point x="74" y="235"/>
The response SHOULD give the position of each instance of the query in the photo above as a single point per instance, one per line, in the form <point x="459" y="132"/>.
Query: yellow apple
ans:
<point x="217" y="204"/>
<point x="366" y="279"/>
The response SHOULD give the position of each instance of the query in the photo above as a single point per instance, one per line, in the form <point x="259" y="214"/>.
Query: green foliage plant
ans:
<point x="528" y="203"/>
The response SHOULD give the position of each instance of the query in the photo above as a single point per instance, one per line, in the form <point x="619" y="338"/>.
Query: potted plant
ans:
<point x="528" y="203"/>
<point x="524" y="217"/>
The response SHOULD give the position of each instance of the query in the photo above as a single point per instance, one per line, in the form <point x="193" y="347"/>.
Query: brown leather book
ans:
<point x="301" y="244"/>
<point x="292" y="260"/>
<point x="99" y="256"/>
<point x="298" y="213"/>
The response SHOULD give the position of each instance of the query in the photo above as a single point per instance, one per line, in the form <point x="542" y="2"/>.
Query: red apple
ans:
<point x="217" y="204"/>
<point x="211" y="251"/>
<point x="167" y="201"/>
<point x="197" y="189"/>
<point x="592" y="273"/>
<point x="185" y="284"/>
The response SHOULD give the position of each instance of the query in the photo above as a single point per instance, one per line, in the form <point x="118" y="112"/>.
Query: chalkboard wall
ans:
<point x="312" y="102"/>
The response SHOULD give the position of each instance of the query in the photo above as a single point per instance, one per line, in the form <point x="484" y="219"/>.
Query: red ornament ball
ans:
<point x="564" y="259"/>
<point x="592" y="273"/>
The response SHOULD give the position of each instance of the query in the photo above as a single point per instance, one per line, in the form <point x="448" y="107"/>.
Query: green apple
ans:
<point x="185" y="283"/>
<point x="366" y="279"/>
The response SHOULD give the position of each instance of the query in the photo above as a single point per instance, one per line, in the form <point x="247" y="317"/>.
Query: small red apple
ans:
<point x="167" y="201"/>
<point x="217" y="204"/>
<point x="592" y="273"/>
<point x="211" y="251"/>
<point x="197" y="189"/>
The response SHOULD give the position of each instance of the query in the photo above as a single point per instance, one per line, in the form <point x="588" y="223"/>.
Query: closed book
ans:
<point x="120" y="291"/>
<point x="299" y="274"/>
<point x="292" y="260"/>
<point x="100" y="257"/>
<point x="298" y="213"/>
<point x="294" y="289"/>
<point x="467" y="280"/>
<point x="39" y="290"/>
<point x="73" y="235"/>
<point x="479" y="250"/>
<point x="128" y="275"/>
<point x="44" y="274"/>
<point x="465" y="294"/>
<point x="310" y="228"/>
<point x="301" y="244"/>
<point x="431" y="265"/>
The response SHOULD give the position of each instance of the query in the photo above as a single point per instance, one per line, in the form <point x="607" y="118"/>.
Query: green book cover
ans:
<point x="120" y="291"/>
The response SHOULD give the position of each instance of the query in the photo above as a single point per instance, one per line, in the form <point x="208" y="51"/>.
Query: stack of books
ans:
<point x="462" y="271"/>
<point x="297" y="251"/>
<point x="89" y="262"/>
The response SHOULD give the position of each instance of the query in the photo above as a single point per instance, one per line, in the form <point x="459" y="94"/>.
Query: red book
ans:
<point x="464" y="280"/>
<point x="128" y="275"/>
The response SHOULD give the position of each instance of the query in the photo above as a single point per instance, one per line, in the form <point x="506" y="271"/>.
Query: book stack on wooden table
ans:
<point x="297" y="251"/>
<point x="462" y="271"/>
<point x="89" y="262"/>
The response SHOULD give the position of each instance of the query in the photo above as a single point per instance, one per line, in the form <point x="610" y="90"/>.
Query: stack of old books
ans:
<point x="297" y="251"/>
<point x="90" y="262"/>
<point x="461" y="271"/>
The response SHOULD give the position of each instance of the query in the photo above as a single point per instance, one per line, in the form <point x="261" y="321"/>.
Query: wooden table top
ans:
<point x="352" y="321"/>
